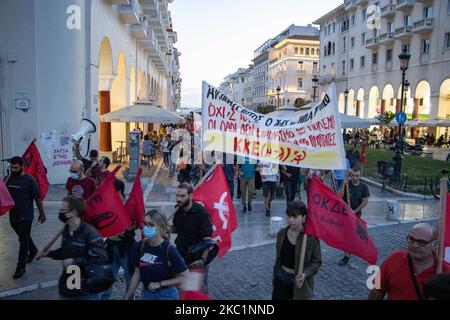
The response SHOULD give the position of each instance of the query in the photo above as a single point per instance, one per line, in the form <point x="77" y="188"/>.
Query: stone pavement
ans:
<point x="246" y="274"/>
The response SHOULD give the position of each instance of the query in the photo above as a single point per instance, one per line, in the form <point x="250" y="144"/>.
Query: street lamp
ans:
<point x="398" y="157"/>
<point x="315" y="80"/>
<point x="345" y="109"/>
<point x="278" y="89"/>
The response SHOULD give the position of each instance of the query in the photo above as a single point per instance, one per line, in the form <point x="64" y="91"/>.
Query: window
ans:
<point x="343" y="67"/>
<point x="389" y="55"/>
<point x="300" y="83"/>
<point x="375" y="33"/>
<point x="448" y="6"/>
<point x="390" y="27"/>
<point x="447" y="40"/>
<point x="352" y="42"/>
<point x="363" y="39"/>
<point x="374" y="58"/>
<point x="334" y="27"/>
<point x="353" y="20"/>
<point x="296" y="50"/>
<point x="407" y="20"/>
<point x="344" y="42"/>
<point x="427" y="12"/>
<point x="317" y="52"/>
<point x="352" y="64"/>
<point x="300" y="65"/>
<point x="315" y="64"/>
<point x="363" y="15"/>
<point x="312" y="51"/>
<point x="405" y="47"/>
<point x="301" y="51"/>
<point x="426" y="46"/>
<point x="325" y="51"/>
<point x="334" y="48"/>
<point x="307" y="51"/>
<point x="363" y="62"/>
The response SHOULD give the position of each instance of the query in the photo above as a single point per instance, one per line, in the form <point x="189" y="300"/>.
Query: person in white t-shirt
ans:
<point x="269" y="176"/>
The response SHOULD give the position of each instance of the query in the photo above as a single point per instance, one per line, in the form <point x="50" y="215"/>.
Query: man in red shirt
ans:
<point x="419" y="262"/>
<point x="100" y="174"/>
<point x="78" y="184"/>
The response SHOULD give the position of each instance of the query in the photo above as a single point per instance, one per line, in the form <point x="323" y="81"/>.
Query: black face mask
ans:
<point x="16" y="173"/>
<point x="62" y="216"/>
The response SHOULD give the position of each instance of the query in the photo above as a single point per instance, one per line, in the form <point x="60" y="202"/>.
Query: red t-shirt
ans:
<point x="81" y="188"/>
<point x="396" y="279"/>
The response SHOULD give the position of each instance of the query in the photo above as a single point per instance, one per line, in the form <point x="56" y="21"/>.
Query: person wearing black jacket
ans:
<point x="81" y="245"/>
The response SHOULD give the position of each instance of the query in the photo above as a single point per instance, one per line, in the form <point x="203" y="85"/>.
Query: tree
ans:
<point x="264" y="109"/>
<point x="300" y="102"/>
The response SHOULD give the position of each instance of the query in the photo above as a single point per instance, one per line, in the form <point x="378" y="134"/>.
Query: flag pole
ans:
<point x="442" y="224"/>
<point x="302" y="255"/>
<point x="50" y="243"/>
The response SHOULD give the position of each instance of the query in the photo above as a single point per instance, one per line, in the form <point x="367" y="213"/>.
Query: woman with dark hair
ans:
<point x="81" y="245"/>
<point x="159" y="266"/>
<point x="288" y="284"/>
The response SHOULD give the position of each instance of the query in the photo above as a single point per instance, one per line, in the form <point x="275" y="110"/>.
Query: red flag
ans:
<point x="105" y="210"/>
<point x="363" y="159"/>
<point x="214" y="195"/>
<point x="33" y="165"/>
<point x="333" y="221"/>
<point x="6" y="201"/>
<point x="447" y="232"/>
<point x="135" y="203"/>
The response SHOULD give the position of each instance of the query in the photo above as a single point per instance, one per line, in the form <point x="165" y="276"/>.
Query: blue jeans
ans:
<point x="169" y="293"/>
<point x="117" y="262"/>
<point x="166" y="157"/>
<point x="171" y="167"/>
<point x="93" y="296"/>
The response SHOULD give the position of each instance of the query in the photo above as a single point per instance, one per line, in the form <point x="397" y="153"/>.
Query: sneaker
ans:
<point x="31" y="256"/>
<point x="244" y="209"/>
<point x="344" y="261"/>
<point x="267" y="212"/>
<point x="249" y="207"/>
<point x="20" y="271"/>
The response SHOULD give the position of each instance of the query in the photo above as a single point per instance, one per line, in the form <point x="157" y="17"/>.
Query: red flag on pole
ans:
<point x="363" y="159"/>
<point x="333" y="221"/>
<point x="33" y="165"/>
<point x="135" y="203"/>
<point x="105" y="210"/>
<point x="447" y="232"/>
<point x="214" y="195"/>
<point x="6" y="201"/>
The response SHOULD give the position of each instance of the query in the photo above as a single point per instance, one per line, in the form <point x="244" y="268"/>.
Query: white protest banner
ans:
<point x="307" y="139"/>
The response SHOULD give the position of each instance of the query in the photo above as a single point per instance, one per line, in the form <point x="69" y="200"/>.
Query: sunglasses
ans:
<point x="420" y="242"/>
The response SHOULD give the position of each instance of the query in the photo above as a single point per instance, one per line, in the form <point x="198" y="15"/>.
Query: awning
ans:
<point x="142" y="111"/>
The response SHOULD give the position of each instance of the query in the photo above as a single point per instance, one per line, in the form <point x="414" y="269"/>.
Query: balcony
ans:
<point x="156" y="23"/>
<point x="423" y="26"/>
<point x="389" y="65"/>
<point x="326" y="79"/>
<point x="350" y="5"/>
<point x="174" y="36"/>
<point x="403" y="32"/>
<point x="386" y="38"/>
<point x="129" y="13"/>
<point x="362" y="2"/>
<point x="372" y="43"/>
<point x="150" y="43"/>
<point x="140" y="30"/>
<point x="119" y="1"/>
<point x="301" y="72"/>
<point x="150" y="7"/>
<point x="388" y="11"/>
<point x="405" y="5"/>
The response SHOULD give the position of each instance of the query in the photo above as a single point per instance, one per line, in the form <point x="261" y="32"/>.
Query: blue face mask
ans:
<point x="149" y="232"/>
<point x="74" y="176"/>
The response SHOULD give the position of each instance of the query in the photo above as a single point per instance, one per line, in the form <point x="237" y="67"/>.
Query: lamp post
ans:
<point x="398" y="157"/>
<point x="315" y="80"/>
<point x="345" y="109"/>
<point x="278" y="89"/>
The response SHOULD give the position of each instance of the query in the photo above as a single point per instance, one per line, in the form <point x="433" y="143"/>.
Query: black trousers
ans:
<point x="27" y="246"/>
<point x="282" y="291"/>
<point x="290" y="189"/>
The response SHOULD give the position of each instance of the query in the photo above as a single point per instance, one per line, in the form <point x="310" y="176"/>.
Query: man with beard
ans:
<point x="23" y="189"/>
<point x="192" y="224"/>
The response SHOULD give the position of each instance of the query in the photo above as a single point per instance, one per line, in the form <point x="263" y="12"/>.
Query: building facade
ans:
<point x="239" y="86"/>
<point x="360" y="44"/>
<point x="62" y="61"/>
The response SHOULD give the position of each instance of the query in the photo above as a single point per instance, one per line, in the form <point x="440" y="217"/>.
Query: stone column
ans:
<point x="105" y="85"/>
<point x="415" y="115"/>
<point x="358" y="107"/>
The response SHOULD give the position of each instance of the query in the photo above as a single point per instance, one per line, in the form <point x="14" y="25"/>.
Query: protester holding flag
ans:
<point x="23" y="189"/>
<point x="102" y="172"/>
<point x="353" y="156"/>
<point x="359" y="197"/>
<point x="288" y="283"/>
<point x="78" y="183"/>
<point x="159" y="266"/>
<point x="404" y="273"/>
<point x="81" y="245"/>
<point x="120" y="248"/>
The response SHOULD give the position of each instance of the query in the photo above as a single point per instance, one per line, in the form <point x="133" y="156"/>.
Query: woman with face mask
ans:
<point x="288" y="284"/>
<point x="159" y="266"/>
<point x="81" y="245"/>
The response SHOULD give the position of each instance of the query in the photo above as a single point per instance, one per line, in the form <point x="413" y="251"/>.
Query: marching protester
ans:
<point x="102" y="171"/>
<point x="23" y="189"/>
<point x="159" y="266"/>
<point x="359" y="197"/>
<point x="192" y="224"/>
<point x="339" y="175"/>
<point x="121" y="248"/>
<point x="89" y="164"/>
<point x="269" y="177"/>
<point x="288" y="284"/>
<point x="81" y="245"/>
<point x="353" y="156"/>
<point x="289" y="177"/>
<point x="78" y="184"/>
<point x="247" y="181"/>
<point x="166" y="151"/>
<point x="404" y="273"/>
<point x="147" y="150"/>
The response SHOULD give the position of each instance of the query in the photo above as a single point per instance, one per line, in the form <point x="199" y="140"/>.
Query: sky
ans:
<point x="216" y="37"/>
